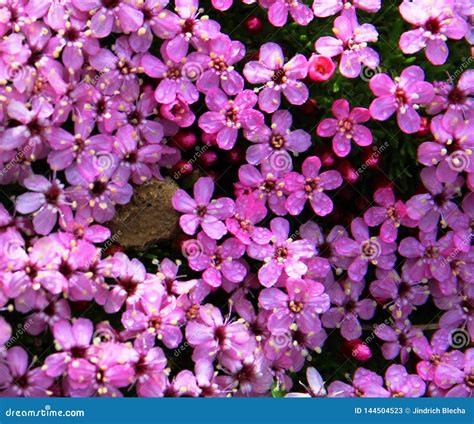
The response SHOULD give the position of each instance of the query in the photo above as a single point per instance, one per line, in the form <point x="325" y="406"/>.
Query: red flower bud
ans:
<point x="320" y="68"/>
<point x="357" y="350"/>
<point x="253" y="25"/>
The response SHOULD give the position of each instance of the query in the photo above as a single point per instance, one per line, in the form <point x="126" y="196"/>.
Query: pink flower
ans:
<point x="17" y="379"/>
<point x="310" y="186"/>
<point x="212" y="335"/>
<point x="46" y="201"/>
<point x="346" y="127"/>
<point x="389" y="213"/>
<point x="398" y="383"/>
<point x="456" y="379"/>
<point x="325" y="8"/>
<point x="320" y="68"/>
<point x="202" y="211"/>
<point x="277" y="77"/>
<point x="351" y="44"/>
<point x="219" y="262"/>
<point x="403" y="96"/>
<point x="226" y="116"/>
<point x="273" y="143"/>
<point x="299" y="307"/>
<point x="434" y="24"/>
<point x="278" y="12"/>
<point x="283" y="254"/>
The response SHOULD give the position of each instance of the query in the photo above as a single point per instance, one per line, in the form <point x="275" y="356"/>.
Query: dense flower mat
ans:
<point x="323" y="153"/>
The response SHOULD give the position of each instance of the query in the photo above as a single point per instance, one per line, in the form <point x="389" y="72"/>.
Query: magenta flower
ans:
<point x="218" y="68"/>
<point x="389" y="213"/>
<point x="398" y="383"/>
<point x="401" y="296"/>
<point x="348" y="307"/>
<point x="365" y="249"/>
<point x="202" y="211"/>
<point x="226" y="117"/>
<point x="46" y="201"/>
<point x="72" y="342"/>
<point x="283" y="254"/>
<point x="267" y="187"/>
<point x="277" y="77"/>
<point x="173" y="79"/>
<point x="212" y="335"/>
<point x="456" y="100"/>
<point x="399" y="339"/>
<point x="457" y="380"/>
<point x="351" y="44"/>
<point x="452" y="149"/>
<point x="219" y="262"/>
<point x="436" y="353"/>
<point x="403" y="96"/>
<point x="17" y="379"/>
<point x="184" y="29"/>
<point x="278" y="12"/>
<point x="298" y="308"/>
<point x="434" y="24"/>
<point x="346" y="127"/>
<point x="310" y="186"/>
<point x="362" y="380"/>
<point x="428" y="208"/>
<point x="325" y="8"/>
<point x="274" y="142"/>
<point x="106" y="14"/>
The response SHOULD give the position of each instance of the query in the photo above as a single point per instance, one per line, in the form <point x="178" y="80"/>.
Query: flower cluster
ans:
<point x="98" y="97"/>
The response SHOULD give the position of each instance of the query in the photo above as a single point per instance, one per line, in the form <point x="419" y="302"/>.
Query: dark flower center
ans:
<point x="71" y="34"/>
<point x="22" y="381"/>
<point x="295" y="307"/>
<point x="432" y="25"/>
<point x="34" y="127"/>
<point x="311" y="185"/>
<point x="440" y="199"/>
<point x="98" y="188"/>
<point x="456" y="96"/>
<point x="192" y="312"/>
<point x="281" y="253"/>
<point x="129" y="285"/>
<point x="201" y="211"/>
<point x="188" y="25"/>
<point x="35" y="57"/>
<point x="110" y="4"/>
<point x="277" y="141"/>
<point x="218" y="63"/>
<point x="52" y="195"/>
<point x="78" y="351"/>
<point x="401" y="97"/>
<point x="404" y="289"/>
<point x="279" y="77"/>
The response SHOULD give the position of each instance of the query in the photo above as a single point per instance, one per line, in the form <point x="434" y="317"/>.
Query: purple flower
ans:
<point x="365" y="249"/>
<point x="346" y="127"/>
<point x="106" y="14"/>
<point x="401" y="296"/>
<point x="403" y="96"/>
<point x="428" y="208"/>
<point x="202" y="211"/>
<point x="457" y="379"/>
<point x="184" y="29"/>
<point x="389" y="213"/>
<point x="218" y="68"/>
<point x="276" y="140"/>
<point x="348" y="308"/>
<point x="277" y="77"/>
<point x="434" y="24"/>
<point x="17" y="379"/>
<point x="299" y="308"/>
<point x="282" y="254"/>
<point x="452" y="149"/>
<point x="399" y="339"/>
<point x="72" y="342"/>
<point x="398" y="383"/>
<point x="325" y="8"/>
<point x="212" y="335"/>
<point x="46" y="201"/>
<point x="351" y="44"/>
<point x="219" y="262"/>
<point x="310" y="186"/>
<point x="278" y="12"/>
<point x="226" y="117"/>
<point x="456" y="100"/>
